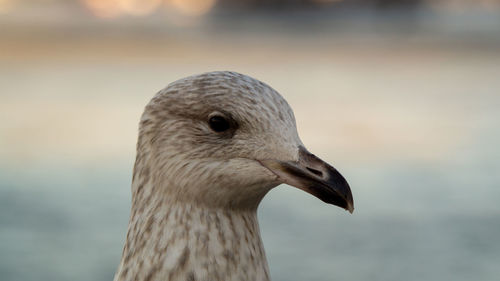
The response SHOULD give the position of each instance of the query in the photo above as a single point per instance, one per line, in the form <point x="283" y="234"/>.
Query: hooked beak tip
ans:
<point x="350" y="208"/>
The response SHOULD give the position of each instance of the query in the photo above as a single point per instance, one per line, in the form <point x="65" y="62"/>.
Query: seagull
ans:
<point x="210" y="147"/>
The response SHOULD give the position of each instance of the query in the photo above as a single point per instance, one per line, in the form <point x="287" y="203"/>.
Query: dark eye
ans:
<point x="218" y="124"/>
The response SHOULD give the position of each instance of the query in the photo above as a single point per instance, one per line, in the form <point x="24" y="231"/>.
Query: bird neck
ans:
<point x="174" y="241"/>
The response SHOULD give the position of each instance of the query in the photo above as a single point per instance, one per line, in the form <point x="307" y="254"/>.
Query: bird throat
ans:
<point x="180" y="241"/>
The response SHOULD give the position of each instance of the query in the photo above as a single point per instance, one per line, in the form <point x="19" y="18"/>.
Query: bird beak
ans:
<point x="314" y="176"/>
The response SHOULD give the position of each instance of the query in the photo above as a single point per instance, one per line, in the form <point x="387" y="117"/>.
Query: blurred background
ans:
<point x="401" y="96"/>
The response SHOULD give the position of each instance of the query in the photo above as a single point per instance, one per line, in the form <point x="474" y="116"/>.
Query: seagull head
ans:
<point x="223" y="139"/>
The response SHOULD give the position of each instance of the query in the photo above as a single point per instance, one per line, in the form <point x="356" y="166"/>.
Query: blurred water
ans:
<point x="414" y="129"/>
<point x="68" y="223"/>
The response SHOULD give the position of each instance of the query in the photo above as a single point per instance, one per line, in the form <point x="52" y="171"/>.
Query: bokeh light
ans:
<point x="191" y="7"/>
<point x="6" y="6"/>
<point x="140" y="7"/>
<point x="115" y="8"/>
<point x="104" y="8"/>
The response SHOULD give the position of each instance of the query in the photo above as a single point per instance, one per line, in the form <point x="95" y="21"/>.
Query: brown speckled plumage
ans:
<point x="195" y="192"/>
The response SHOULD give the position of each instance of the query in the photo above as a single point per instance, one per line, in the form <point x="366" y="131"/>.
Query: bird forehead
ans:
<point x="227" y="92"/>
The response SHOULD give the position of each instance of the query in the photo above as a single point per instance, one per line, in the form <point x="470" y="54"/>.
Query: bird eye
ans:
<point x="218" y="124"/>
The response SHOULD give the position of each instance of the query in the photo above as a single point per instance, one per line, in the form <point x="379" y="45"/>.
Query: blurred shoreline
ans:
<point x="41" y="33"/>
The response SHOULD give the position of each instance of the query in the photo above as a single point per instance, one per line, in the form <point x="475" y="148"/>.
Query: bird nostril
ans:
<point x="314" y="171"/>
